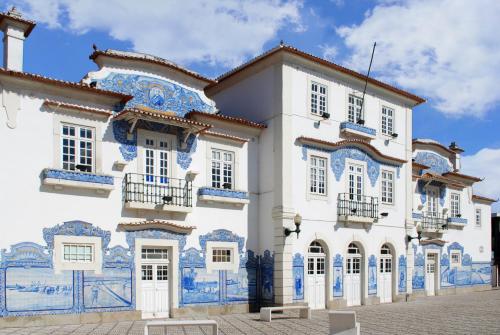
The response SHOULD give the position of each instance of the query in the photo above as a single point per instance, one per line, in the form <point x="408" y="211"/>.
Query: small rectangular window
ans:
<point x="318" y="99"/>
<point x="387" y="121"/>
<point x="154" y="253"/>
<point x="317" y="175"/>
<point x="220" y="255"/>
<point x="455" y="260"/>
<point x="355" y="111"/>
<point x="478" y="217"/>
<point x="77" y="148"/>
<point x="387" y="187"/>
<point x="222" y="173"/>
<point x="455" y="204"/>
<point x="81" y="253"/>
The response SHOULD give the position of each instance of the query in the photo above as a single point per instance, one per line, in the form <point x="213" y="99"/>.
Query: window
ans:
<point x="478" y="217"/>
<point x="316" y="248"/>
<point x="77" y="148"/>
<point x="387" y="121"/>
<point x="455" y="259"/>
<point x="154" y="253"/>
<point x="220" y="255"/>
<point x="222" y="169"/>
<point x="147" y="272"/>
<point x="318" y="175"/>
<point x="318" y="99"/>
<point x="355" y="112"/>
<point x="455" y="205"/>
<point x="355" y="182"/>
<point x="82" y="253"/>
<point x="387" y="187"/>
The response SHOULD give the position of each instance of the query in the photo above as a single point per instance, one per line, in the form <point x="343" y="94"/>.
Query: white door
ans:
<point x="355" y="186"/>
<point x="155" y="168"/>
<point x="385" y="275"/>
<point x="353" y="276"/>
<point x="154" y="283"/>
<point x="430" y="274"/>
<point x="316" y="276"/>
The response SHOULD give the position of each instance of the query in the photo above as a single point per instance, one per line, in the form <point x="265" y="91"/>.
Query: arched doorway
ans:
<point x="316" y="269"/>
<point x="385" y="274"/>
<point x="353" y="276"/>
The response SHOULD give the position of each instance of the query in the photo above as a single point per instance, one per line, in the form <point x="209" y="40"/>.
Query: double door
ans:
<point x="385" y="279"/>
<point x="155" y="283"/>
<point x="353" y="281"/>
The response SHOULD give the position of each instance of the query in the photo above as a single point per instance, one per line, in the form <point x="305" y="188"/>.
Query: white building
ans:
<point x="150" y="190"/>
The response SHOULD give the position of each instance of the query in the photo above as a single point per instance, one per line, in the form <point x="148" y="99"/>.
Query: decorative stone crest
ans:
<point x="75" y="228"/>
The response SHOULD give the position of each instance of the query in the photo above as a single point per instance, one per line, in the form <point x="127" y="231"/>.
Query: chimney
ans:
<point x="15" y="30"/>
<point x="456" y="159"/>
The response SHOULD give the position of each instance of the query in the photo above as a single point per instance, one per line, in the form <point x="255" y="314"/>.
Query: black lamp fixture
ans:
<point x="384" y="214"/>
<point x="418" y="237"/>
<point x="394" y="135"/>
<point x="297" y="220"/>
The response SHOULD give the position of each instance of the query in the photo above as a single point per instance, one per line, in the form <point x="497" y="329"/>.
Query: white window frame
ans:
<point x="361" y="115"/>
<point x="78" y="247"/>
<point x="61" y="265"/>
<point x="317" y="169"/>
<point x="385" y="181"/>
<point x="351" y="162"/>
<point x="478" y="215"/>
<point x="142" y="135"/>
<point x="233" y="265"/>
<point x="459" y="263"/>
<point x="78" y="141"/>
<point x="223" y="164"/>
<point x="389" y="128"/>
<point x="317" y="98"/>
<point x="455" y="204"/>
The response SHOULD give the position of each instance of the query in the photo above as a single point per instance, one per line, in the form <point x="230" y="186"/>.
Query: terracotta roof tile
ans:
<point x="481" y="198"/>
<point x="227" y="118"/>
<point x="16" y="16"/>
<point x="154" y="224"/>
<point x="57" y="104"/>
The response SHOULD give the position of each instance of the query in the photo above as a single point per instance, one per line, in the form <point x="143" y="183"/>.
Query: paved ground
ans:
<point x="473" y="313"/>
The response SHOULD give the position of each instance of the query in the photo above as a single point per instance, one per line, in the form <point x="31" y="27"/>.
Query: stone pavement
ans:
<point x="471" y="313"/>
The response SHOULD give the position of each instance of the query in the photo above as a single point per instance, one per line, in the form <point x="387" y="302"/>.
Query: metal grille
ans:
<point x="433" y="221"/>
<point x="357" y="205"/>
<point x="157" y="190"/>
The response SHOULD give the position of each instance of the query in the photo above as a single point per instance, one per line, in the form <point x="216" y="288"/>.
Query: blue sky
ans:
<point x="444" y="50"/>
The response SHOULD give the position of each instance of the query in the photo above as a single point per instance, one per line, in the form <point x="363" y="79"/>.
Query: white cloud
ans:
<point x="484" y="164"/>
<point x="223" y="32"/>
<point x="330" y="52"/>
<point x="446" y="50"/>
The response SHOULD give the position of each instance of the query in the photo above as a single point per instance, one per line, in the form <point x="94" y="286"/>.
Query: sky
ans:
<point x="447" y="51"/>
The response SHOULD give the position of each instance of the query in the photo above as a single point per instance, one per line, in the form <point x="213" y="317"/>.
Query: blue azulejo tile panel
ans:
<point x="199" y="286"/>
<point x="298" y="277"/>
<point x="111" y="289"/>
<point x="372" y="275"/>
<point x="217" y="192"/>
<point x="241" y="286"/>
<point x="155" y="93"/>
<point x="436" y="163"/>
<point x="78" y="176"/>
<point x="418" y="279"/>
<point x="267" y="276"/>
<point x="38" y="289"/>
<point x="338" y="272"/>
<point x="402" y="274"/>
<point x="358" y="127"/>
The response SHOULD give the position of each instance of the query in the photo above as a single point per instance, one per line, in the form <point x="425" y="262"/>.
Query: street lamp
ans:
<point x="297" y="219"/>
<point x="418" y="237"/>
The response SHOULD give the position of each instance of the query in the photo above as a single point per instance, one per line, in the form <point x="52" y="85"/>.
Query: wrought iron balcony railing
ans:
<point x="357" y="205"/>
<point x="434" y="221"/>
<point x="144" y="188"/>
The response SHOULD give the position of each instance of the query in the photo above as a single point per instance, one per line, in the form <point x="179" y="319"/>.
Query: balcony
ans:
<point x="433" y="223"/>
<point x="357" y="130"/>
<point x="357" y="208"/>
<point x="148" y="192"/>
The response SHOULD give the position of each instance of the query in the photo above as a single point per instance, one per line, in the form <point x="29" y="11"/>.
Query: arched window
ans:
<point x="353" y="249"/>
<point x="316" y="248"/>
<point x="385" y="250"/>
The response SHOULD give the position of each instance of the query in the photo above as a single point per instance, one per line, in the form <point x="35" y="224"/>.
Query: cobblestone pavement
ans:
<point x="472" y="313"/>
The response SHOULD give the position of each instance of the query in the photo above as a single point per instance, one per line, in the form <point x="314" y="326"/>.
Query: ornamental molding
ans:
<point x="131" y="236"/>
<point x="76" y="228"/>
<point x="118" y="257"/>
<point x="26" y="254"/>
<point x="217" y="192"/>
<point x="298" y="260"/>
<point x="221" y="235"/>
<point x="435" y="162"/>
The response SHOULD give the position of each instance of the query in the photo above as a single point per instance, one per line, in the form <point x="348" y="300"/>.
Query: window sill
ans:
<point x="210" y="194"/>
<point x="456" y="222"/>
<point x="357" y="130"/>
<point x="357" y="219"/>
<point x="60" y="179"/>
<point x="158" y="207"/>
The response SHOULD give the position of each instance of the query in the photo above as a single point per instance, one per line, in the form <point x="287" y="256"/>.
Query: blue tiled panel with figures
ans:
<point x="29" y="285"/>
<point x="338" y="272"/>
<point x="155" y="93"/>
<point x="298" y="277"/>
<point x="402" y="274"/>
<point x="372" y="275"/>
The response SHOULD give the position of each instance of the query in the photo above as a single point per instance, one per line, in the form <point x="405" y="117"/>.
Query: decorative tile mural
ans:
<point x="338" y="158"/>
<point x="111" y="289"/>
<point x="435" y="162"/>
<point x="267" y="276"/>
<point x="338" y="272"/>
<point x="372" y="275"/>
<point x="402" y="274"/>
<point x="298" y="277"/>
<point x="155" y="93"/>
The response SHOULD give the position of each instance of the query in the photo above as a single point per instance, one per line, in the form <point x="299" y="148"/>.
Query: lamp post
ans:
<point x="297" y="219"/>
<point x="418" y="237"/>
